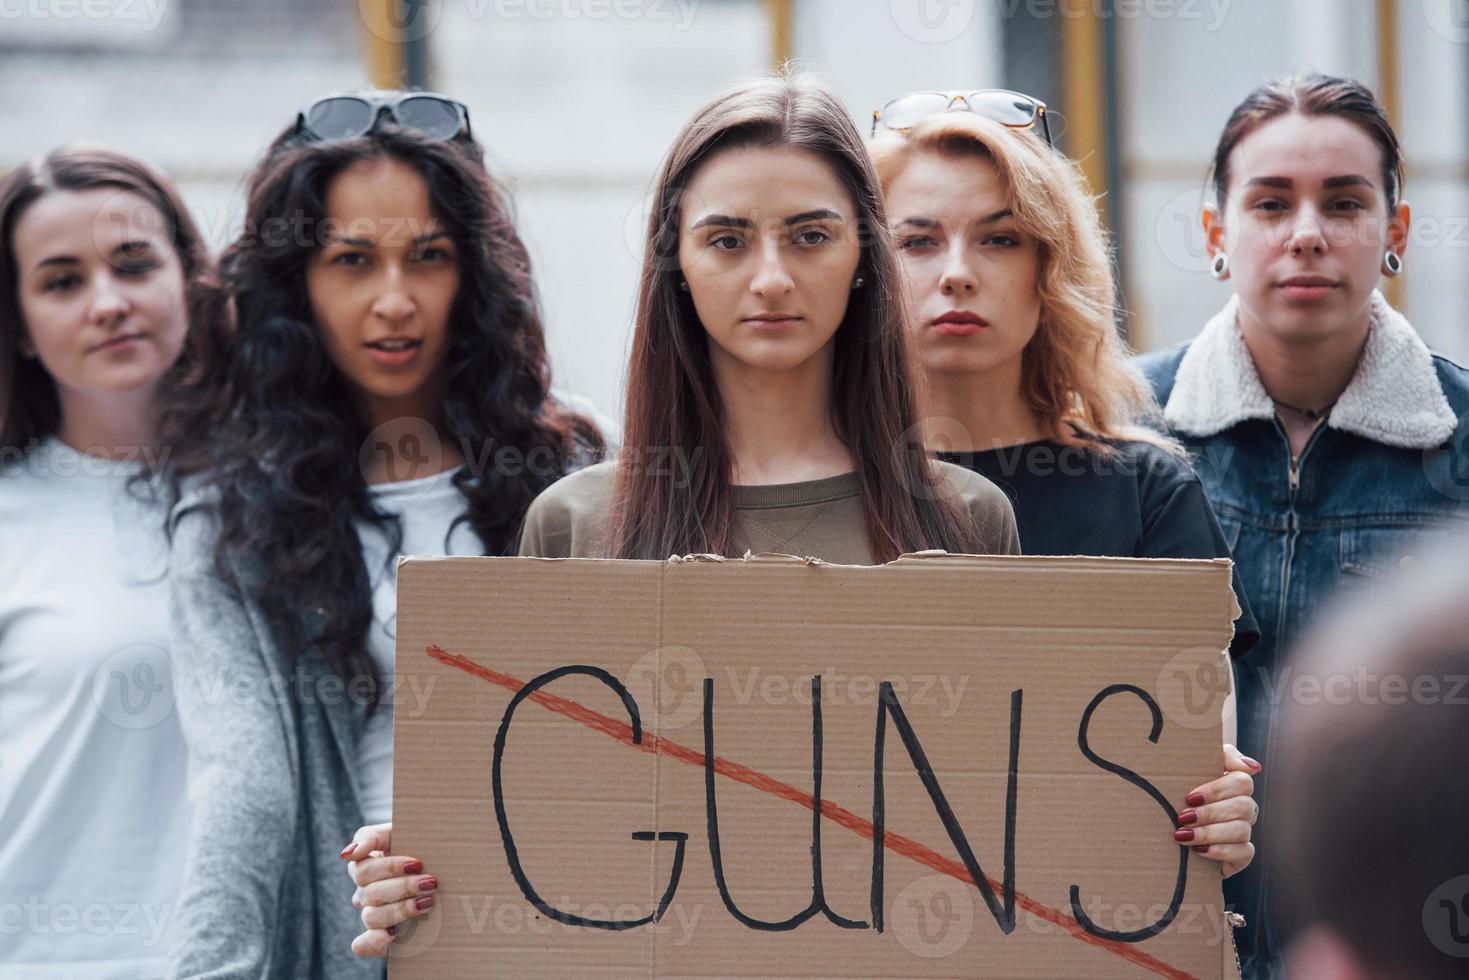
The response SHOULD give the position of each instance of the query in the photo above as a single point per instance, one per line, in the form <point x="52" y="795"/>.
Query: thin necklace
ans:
<point x="1314" y="414"/>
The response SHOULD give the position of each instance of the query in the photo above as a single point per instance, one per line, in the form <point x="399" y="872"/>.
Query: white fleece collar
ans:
<point x="1394" y="398"/>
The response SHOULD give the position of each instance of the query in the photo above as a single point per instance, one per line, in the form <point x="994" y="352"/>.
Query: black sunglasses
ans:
<point x="340" y="117"/>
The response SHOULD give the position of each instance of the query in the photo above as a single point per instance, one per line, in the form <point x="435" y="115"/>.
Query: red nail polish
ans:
<point x="1183" y="835"/>
<point x="1252" y="763"/>
<point x="413" y="867"/>
<point x="427" y="883"/>
<point x="1194" y="799"/>
<point x="1187" y="817"/>
<point x="1201" y="848"/>
<point x="392" y="930"/>
<point x="426" y="902"/>
<point x="349" y="848"/>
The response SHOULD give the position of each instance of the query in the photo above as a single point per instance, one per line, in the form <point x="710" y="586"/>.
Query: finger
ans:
<point x="1228" y="832"/>
<point x="1234" y="857"/>
<point x="1235" y="761"/>
<point x="384" y="916"/>
<point x="1235" y="808"/>
<point x="372" y="869"/>
<point x="1227" y="785"/>
<point x="374" y="837"/>
<point x="373" y="942"/>
<point x="392" y="890"/>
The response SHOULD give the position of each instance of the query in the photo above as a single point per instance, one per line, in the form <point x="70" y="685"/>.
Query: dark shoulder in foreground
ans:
<point x="989" y="508"/>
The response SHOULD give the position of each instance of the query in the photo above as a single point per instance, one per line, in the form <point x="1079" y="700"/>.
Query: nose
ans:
<point x="1306" y="234"/>
<point x="110" y="304"/>
<point x="957" y="277"/>
<point x="394" y="302"/>
<point x="771" y="280"/>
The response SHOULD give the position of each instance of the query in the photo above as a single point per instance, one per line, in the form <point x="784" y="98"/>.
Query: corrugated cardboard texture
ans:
<point x="984" y="660"/>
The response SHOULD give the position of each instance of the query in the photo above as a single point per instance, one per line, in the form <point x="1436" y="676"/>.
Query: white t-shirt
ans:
<point x="94" y="817"/>
<point x="427" y="508"/>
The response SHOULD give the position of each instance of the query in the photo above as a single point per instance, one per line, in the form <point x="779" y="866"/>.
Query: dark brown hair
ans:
<point x="1311" y="95"/>
<point x="29" y="409"/>
<point x="673" y="404"/>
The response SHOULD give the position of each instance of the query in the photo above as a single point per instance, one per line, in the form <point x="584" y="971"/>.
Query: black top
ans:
<point x="1143" y="502"/>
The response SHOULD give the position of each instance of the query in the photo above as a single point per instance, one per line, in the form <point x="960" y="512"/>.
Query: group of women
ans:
<point x="850" y="351"/>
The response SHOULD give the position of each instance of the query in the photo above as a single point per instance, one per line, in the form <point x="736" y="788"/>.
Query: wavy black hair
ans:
<point x="267" y="435"/>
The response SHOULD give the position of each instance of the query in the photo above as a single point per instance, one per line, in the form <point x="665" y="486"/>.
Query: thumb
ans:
<point x="376" y="837"/>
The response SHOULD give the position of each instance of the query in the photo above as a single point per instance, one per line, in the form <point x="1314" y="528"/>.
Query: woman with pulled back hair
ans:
<point x="1330" y="432"/>
<point x="379" y="388"/>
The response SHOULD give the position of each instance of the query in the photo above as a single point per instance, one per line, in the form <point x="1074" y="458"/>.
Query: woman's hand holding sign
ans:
<point x="1222" y="814"/>
<point x="391" y="888"/>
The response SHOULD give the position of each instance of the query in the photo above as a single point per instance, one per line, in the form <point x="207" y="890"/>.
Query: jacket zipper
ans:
<point x="1293" y="476"/>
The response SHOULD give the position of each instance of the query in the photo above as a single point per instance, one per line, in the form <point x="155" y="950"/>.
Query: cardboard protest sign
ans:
<point x="943" y="766"/>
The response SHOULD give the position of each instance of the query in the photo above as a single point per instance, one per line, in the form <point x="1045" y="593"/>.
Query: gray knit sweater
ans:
<point x="272" y="740"/>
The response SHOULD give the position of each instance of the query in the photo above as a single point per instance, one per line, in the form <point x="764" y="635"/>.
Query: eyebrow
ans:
<point x="986" y="220"/>
<point x="369" y="243"/>
<point x="728" y="221"/>
<point x="1345" y="180"/>
<point x="73" y="260"/>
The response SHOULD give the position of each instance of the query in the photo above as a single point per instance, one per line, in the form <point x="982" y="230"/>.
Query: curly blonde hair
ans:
<point x="1075" y="374"/>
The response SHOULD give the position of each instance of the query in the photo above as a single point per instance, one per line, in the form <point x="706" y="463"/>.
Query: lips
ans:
<point x="772" y="321"/>
<point x="1307" y="288"/>
<point x="393" y="351"/>
<point x="113" y="343"/>
<point x="959" y="323"/>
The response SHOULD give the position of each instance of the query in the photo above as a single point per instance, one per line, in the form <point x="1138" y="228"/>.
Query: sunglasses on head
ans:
<point x="340" y="117"/>
<point x="1003" y="106"/>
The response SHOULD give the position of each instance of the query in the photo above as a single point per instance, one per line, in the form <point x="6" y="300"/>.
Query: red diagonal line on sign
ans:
<point x="897" y="843"/>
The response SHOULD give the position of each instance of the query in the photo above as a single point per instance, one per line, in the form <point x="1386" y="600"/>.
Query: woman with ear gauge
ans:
<point x="1338" y="437"/>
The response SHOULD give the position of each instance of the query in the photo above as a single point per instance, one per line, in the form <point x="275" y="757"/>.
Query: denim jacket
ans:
<point x="1391" y="462"/>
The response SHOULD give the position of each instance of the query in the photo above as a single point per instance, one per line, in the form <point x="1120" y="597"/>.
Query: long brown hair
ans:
<point x="673" y="404"/>
<point x="1074" y="373"/>
<point x="29" y="408"/>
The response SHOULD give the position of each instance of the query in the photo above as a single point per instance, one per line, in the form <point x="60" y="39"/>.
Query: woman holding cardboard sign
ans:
<point x="1011" y="288"/>
<point x="770" y="402"/>
<point x="386" y="339"/>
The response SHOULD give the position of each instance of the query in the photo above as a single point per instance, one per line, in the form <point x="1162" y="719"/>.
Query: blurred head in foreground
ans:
<point x="1374" y="807"/>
